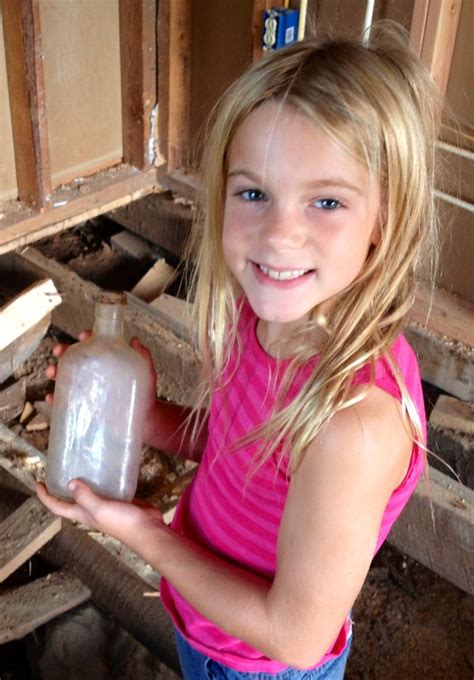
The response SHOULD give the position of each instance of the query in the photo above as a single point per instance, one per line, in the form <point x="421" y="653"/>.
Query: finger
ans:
<point x="55" y="505"/>
<point x="143" y="351"/>
<point x="59" y="349"/>
<point x="50" y="371"/>
<point x="84" y="496"/>
<point x="49" y="398"/>
<point x="85" y="335"/>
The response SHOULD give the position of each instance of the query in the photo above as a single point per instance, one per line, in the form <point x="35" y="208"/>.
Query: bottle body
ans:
<point x="101" y="393"/>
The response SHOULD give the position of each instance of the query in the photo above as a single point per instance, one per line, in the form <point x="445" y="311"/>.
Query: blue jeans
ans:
<point x="196" y="666"/>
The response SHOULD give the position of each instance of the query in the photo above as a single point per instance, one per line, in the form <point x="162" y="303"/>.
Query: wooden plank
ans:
<point x="76" y="203"/>
<point x="418" y="24"/>
<point x="179" y="107"/>
<point x="160" y="219"/>
<point x="453" y="414"/>
<point x="23" y="533"/>
<point x="138" y="73"/>
<point x="176" y="313"/>
<point x="23" y="52"/>
<point x="445" y="314"/>
<point x="26" y="310"/>
<point x="437" y="529"/>
<point x="163" y="74"/>
<point x="174" y="359"/>
<point x="24" y="609"/>
<point x="18" y="351"/>
<point x="155" y="282"/>
<point x="12" y="400"/>
<point x="439" y="39"/>
<point x="443" y="363"/>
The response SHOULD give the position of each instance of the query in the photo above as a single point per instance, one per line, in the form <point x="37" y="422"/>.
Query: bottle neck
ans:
<point x="108" y="328"/>
<point x="109" y="317"/>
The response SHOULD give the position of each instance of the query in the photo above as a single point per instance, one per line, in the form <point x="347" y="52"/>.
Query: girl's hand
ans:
<point x="58" y="351"/>
<point x="119" y="519"/>
<point x="146" y="354"/>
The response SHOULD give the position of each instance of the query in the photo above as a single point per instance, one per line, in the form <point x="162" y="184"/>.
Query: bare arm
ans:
<point x="328" y="533"/>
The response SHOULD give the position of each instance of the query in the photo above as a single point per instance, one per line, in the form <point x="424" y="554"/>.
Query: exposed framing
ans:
<point x="41" y="210"/>
<point x="21" y="24"/>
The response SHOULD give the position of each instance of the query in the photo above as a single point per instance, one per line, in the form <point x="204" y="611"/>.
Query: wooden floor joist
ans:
<point x="25" y="608"/>
<point x="174" y="359"/>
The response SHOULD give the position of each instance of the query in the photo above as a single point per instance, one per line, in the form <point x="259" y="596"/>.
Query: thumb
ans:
<point x="84" y="496"/>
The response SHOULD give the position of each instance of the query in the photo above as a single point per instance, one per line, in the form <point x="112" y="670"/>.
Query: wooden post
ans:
<point x="163" y="48"/>
<point x="21" y="26"/>
<point x="179" y="130"/>
<point x="138" y="73"/>
<point x="433" y="34"/>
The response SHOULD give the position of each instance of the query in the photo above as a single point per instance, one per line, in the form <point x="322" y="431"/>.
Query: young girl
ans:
<point x="317" y="211"/>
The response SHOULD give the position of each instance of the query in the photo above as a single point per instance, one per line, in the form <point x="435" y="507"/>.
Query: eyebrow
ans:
<point x="338" y="182"/>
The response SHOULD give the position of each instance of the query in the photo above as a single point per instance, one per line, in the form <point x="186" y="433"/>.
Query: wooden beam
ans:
<point x="437" y="529"/>
<point x="439" y="38"/>
<point x="445" y="314"/>
<point x="76" y="203"/>
<point x="179" y="107"/>
<point x="23" y="533"/>
<point x="23" y="52"/>
<point x="453" y="414"/>
<point x="174" y="359"/>
<point x="163" y="48"/>
<point x="12" y="401"/>
<point x="418" y="24"/>
<point x="27" y="607"/>
<point x="443" y="363"/>
<point x="138" y="73"/>
<point x="27" y="309"/>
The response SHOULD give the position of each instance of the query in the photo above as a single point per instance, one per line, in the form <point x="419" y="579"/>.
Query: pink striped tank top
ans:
<point x="236" y="514"/>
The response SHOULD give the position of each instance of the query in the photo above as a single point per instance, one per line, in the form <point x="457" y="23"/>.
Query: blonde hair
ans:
<point x="380" y="104"/>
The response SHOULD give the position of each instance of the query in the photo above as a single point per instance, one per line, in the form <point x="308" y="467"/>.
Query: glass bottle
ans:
<point x="102" y="387"/>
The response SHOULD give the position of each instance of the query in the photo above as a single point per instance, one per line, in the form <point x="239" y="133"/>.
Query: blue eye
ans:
<point x="328" y="203"/>
<point x="252" y="195"/>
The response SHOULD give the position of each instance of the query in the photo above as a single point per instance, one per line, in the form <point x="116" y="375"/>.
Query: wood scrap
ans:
<point x="27" y="412"/>
<point x="444" y="313"/>
<point x="453" y="414"/>
<point x="27" y="607"/>
<point x="38" y="423"/>
<point x="23" y="533"/>
<point x="155" y="282"/>
<point x="133" y="246"/>
<point x="26" y="310"/>
<point x="12" y="401"/>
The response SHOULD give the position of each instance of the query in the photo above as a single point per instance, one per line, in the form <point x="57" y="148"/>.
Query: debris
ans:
<point x="453" y="414"/>
<point x="155" y="282"/>
<point x="27" y="412"/>
<point x="38" y="423"/>
<point x="12" y="401"/>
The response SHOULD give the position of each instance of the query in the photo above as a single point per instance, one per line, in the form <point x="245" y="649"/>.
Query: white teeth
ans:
<point x="282" y="276"/>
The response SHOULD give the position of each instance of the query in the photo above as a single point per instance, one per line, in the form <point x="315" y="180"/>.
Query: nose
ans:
<point x="283" y="228"/>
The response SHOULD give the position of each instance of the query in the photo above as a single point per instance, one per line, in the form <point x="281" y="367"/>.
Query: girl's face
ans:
<point x="300" y="215"/>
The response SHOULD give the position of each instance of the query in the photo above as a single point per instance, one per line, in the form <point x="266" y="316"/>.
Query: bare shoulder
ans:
<point x="371" y="436"/>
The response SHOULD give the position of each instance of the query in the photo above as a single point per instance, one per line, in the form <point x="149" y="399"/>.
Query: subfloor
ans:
<point x="409" y="624"/>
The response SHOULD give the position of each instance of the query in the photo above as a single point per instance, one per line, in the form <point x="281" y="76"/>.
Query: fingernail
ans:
<point x="72" y="486"/>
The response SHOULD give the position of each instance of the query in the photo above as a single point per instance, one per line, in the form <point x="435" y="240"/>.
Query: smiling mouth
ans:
<point x="283" y="275"/>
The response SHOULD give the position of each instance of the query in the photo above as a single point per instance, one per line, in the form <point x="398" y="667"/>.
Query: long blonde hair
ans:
<point x="380" y="104"/>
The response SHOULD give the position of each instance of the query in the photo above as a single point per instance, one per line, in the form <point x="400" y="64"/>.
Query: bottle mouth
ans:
<point x="111" y="305"/>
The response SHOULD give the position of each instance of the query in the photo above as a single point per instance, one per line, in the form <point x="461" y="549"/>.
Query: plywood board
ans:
<point x="8" y="186"/>
<point x="82" y="82"/>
